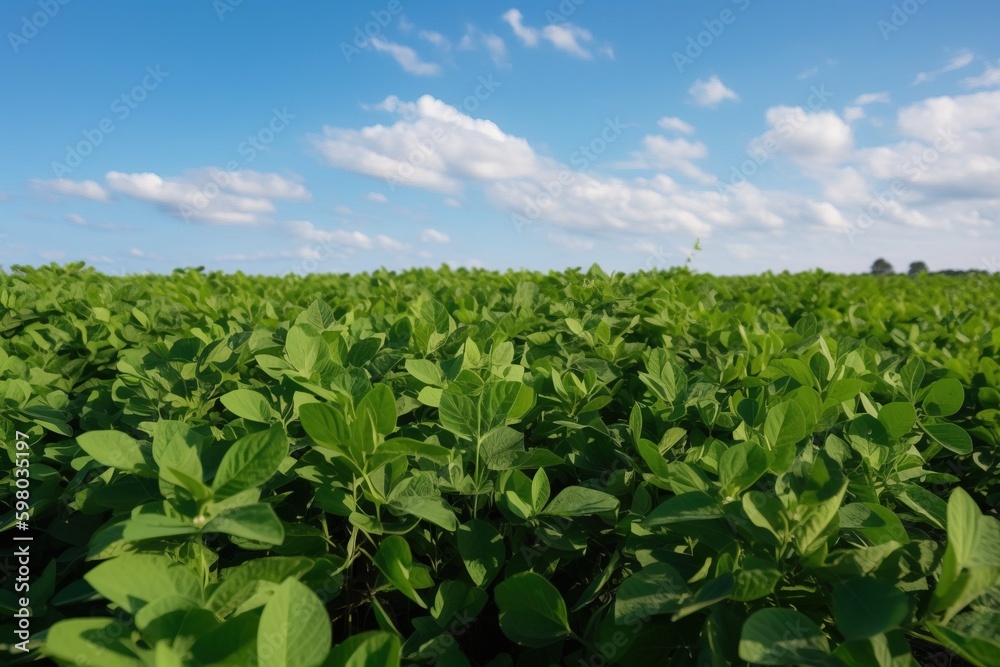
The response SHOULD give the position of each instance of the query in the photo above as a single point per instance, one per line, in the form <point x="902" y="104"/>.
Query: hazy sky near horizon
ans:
<point x="344" y="136"/>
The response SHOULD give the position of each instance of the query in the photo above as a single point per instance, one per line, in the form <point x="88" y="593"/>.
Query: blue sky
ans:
<point x="299" y="137"/>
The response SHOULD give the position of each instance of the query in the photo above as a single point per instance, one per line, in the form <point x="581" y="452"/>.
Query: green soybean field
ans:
<point x="519" y="469"/>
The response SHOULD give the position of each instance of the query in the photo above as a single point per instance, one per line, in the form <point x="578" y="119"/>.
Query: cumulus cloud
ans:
<point x="210" y="195"/>
<point x="676" y="125"/>
<point x="455" y="150"/>
<point x="433" y="146"/>
<point x="406" y="57"/>
<point x="565" y="36"/>
<point x="811" y="138"/>
<point x="672" y="155"/>
<point x="434" y="236"/>
<point x="988" y="79"/>
<point x="325" y="241"/>
<point x="69" y="188"/>
<point x="710" y="92"/>
<point x="515" y="19"/>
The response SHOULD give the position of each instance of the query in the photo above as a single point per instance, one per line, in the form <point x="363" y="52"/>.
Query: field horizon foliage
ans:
<point x="465" y="467"/>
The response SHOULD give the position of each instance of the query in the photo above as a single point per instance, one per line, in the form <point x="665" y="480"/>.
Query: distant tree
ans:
<point x="881" y="268"/>
<point x="916" y="268"/>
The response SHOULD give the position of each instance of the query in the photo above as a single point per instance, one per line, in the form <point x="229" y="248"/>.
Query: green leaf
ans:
<point x="306" y="350"/>
<point x="327" y="426"/>
<point x="944" y="397"/>
<point x="540" y="490"/>
<point x="650" y="453"/>
<point x="868" y="607"/>
<point x="394" y="560"/>
<point x="425" y="370"/>
<point x="249" y="404"/>
<point x="580" y="500"/>
<point x="177" y="449"/>
<point x="741" y="465"/>
<point x="923" y="502"/>
<point x="785" y="425"/>
<point x="898" y="418"/>
<point x="482" y="550"/>
<point x="367" y="649"/>
<point x="782" y="637"/>
<point x="655" y="589"/>
<point x="690" y="506"/>
<point x="415" y="448"/>
<point x="151" y="526"/>
<point x="873" y="523"/>
<point x="251" y="461"/>
<point x="117" y="450"/>
<point x="90" y="641"/>
<point x="532" y="612"/>
<point x="380" y="404"/>
<point x="950" y="436"/>
<point x="240" y="583"/>
<point x="294" y="628"/>
<point x="133" y="580"/>
<point x="256" y="522"/>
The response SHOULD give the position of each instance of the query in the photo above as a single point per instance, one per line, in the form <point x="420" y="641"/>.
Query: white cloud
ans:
<point x="377" y="197"/>
<point x="856" y="111"/>
<point x="474" y="38"/>
<point x="872" y="98"/>
<point x="451" y="201"/>
<point x="384" y="242"/>
<point x="710" y="93"/>
<point x="569" y="242"/>
<point x="433" y="146"/>
<point x="988" y="79"/>
<point x="565" y="36"/>
<point x="807" y="74"/>
<point x="77" y="219"/>
<point x="351" y="239"/>
<point x="676" y="125"/>
<point x="341" y="240"/>
<point x="435" y="38"/>
<point x="142" y="254"/>
<point x="809" y="138"/>
<point x="210" y="195"/>
<point x="434" y="236"/>
<point x="515" y="19"/>
<point x="406" y="57"/>
<point x="520" y="182"/>
<point x="70" y="188"/>
<point x="852" y="114"/>
<point x="672" y="155"/>
<point x="959" y="61"/>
